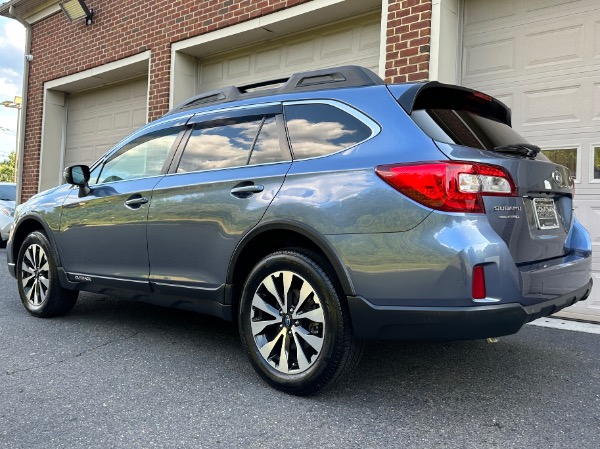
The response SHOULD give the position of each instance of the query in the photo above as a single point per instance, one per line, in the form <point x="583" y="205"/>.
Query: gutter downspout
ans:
<point x="24" y="92"/>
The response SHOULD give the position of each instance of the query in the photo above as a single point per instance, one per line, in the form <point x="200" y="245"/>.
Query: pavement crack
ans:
<point x="66" y="359"/>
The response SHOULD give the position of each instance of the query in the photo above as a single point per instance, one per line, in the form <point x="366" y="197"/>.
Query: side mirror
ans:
<point x="78" y="175"/>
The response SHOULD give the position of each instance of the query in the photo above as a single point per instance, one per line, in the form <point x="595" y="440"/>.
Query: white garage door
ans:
<point x="354" y="41"/>
<point x="542" y="58"/>
<point x="99" y="118"/>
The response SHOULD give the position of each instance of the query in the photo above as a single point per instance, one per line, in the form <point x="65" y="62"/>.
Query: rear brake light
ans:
<point x="482" y="96"/>
<point x="450" y="186"/>
<point x="478" y="290"/>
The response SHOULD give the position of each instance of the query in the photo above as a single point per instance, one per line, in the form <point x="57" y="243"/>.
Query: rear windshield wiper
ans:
<point x="526" y="149"/>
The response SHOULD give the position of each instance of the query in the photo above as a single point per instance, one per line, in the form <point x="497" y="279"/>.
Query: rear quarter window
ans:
<point x="320" y="129"/>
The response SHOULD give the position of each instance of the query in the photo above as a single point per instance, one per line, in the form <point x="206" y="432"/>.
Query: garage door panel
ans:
<point x="596" y="102"/>
<point x="352" y="42"/>
<point x="88" y="126"/>
<point x="300" y="53"/>
<point x="104" y="123"/>
<point x="239" y="67"/>
<point x="535" y="5"/>
<point x="566" y="46"/>
<point x="369" y="37"/>
<point x="549" y="104"/>
<point x="485" y="59"/>
<point x="530" y="49"/>
<point x="98" y="119"/>
<point x="541" y="58"/>
<point x="267" y="61"/>
<point x="139" y="116"/>
<point x="486" y="10"/>
<point x="553" y="105"/>
<point x="340" y="43"/>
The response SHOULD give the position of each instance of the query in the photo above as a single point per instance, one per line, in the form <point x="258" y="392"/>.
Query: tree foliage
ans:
<point x="7" y="168"/>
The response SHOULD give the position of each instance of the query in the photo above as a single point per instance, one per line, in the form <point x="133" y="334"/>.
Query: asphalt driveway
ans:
<point x="125" y="375"/>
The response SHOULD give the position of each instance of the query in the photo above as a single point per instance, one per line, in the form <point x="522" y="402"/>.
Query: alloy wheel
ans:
<point x="288" y="322"/>
<point x="35" y="277"/>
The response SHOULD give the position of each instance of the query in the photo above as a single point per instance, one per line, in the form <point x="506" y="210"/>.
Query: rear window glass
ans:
<point x="321" y="129"/>
<point x="465" y="128"/>
<point x="219" y="146"/>
<point x="266" y="148"/>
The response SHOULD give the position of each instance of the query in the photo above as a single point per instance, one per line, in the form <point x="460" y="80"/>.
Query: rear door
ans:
<point x="219" y="187"/>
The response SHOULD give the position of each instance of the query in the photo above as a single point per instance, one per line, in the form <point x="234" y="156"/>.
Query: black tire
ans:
<point x="37" y="278"/>
<point x="304" y="368"/>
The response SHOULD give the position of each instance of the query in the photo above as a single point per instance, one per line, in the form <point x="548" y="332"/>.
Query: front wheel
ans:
<point x="294" y="323"/>
<point x="37" y="276"/>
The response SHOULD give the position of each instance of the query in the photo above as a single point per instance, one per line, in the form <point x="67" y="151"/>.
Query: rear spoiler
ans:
<point x="435" y="95"/>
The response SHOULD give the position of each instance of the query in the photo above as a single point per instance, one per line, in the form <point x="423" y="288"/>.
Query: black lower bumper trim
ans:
<point x="373" y="322"/>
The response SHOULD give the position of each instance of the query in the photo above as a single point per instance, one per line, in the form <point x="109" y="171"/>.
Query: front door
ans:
<point x="103" y="235"/>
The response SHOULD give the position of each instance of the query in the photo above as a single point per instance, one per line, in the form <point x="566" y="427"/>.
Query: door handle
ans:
<point x="135" y="202"/>
<point x="244" y="191"/>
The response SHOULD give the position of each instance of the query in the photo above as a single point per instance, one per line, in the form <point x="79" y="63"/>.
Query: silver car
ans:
<point x="7" y="209"/>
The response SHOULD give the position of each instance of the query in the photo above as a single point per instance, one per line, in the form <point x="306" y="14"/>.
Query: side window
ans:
<point x="140" y="158"/>
<point x="321" y="129"/>
<point x="221" y="145"/>
<point x="267" y="148"/>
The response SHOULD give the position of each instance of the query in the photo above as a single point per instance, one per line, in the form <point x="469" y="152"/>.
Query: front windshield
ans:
<point x="8" y="192"/>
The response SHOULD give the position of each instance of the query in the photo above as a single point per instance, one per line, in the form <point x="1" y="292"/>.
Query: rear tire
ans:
<point x="295" y="325"/>
<point x="37" y="277"/>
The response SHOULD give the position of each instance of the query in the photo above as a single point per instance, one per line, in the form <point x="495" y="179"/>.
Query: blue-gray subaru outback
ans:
<point x="318" y="211"/>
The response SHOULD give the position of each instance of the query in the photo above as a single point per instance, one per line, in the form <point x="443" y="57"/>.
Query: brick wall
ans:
<point x="127" y="27"/>
<point x="408" y="39"/>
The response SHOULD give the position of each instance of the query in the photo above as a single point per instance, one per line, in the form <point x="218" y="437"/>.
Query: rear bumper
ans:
<point x="374" y="322"/>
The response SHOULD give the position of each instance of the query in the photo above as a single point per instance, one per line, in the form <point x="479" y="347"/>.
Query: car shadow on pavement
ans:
<point x="414" y="372"/>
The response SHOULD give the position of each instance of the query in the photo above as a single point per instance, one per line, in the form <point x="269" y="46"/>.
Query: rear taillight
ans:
<point x="450" y="186"/>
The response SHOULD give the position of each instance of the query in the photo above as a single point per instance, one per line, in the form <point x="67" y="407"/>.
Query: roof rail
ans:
<point x="335" y="77"/>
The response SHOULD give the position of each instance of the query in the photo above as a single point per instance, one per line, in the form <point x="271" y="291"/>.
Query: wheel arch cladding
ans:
<point x="273" y="237"/>
<point x="26" y="227"/>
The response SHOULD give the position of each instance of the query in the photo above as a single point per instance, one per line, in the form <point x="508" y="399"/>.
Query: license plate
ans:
<point x="545" y="213"/>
